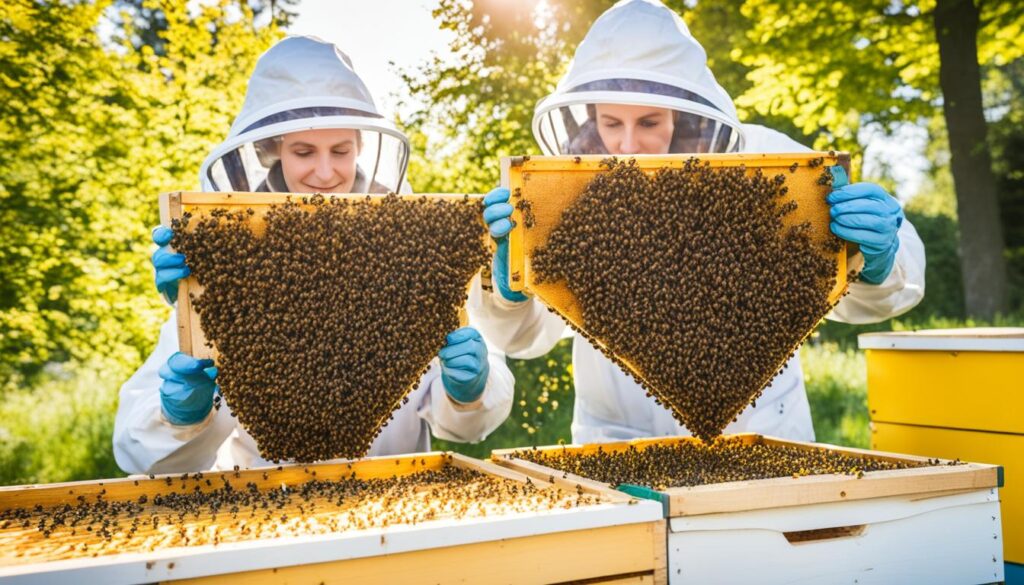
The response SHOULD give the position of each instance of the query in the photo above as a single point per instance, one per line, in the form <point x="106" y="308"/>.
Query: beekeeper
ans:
<point x="308" y="125"/>
<point x="639" y="84"/>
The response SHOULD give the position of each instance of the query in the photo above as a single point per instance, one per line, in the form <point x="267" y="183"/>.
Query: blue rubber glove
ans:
<point x="865" y="214"/>
<point x="186" y="394"/>
<point x="464" y="366"/>
<point x="170" y="266"/>
<point x="497" y="211"/>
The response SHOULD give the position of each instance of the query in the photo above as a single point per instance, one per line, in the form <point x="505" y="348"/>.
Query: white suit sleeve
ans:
<point x="901" y="291"/>
<point x="468" y="423"/>
<point x="522" y="330"/>
<point x="865" y="303"/>
<point x="144" y="441"/>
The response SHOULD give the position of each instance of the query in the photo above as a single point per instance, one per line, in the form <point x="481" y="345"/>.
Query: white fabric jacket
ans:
<point x="145" y="442"/>
<point x="644" y="40"/>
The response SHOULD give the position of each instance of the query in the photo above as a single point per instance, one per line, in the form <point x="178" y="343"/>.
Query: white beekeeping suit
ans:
<point x="641" y="53"/>
<point x="299" y="84"/>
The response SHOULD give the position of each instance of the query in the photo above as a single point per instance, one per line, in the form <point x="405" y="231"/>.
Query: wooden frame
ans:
<point x="173" y="205"/>
<point x="550" y="184"/>
<point x="784" y="491"/>
<point x="631" y="533"/>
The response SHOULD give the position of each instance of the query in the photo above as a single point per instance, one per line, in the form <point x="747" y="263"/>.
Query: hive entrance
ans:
<point x="698" y="279"/>
<point x="324" y="314"/>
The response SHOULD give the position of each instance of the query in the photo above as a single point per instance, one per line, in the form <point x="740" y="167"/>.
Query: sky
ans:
<point x="374" y="33"/>
<point x="385" y="36"/>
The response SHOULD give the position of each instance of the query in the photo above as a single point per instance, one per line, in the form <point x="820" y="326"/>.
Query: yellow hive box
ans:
<point x="953" y="393"/>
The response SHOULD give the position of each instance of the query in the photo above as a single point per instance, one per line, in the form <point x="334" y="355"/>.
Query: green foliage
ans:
<point x="836" y="66"/>
<point x="836" y="381"/>
<point x="479" y="108"/>
<point x="60" y="428"/>
<point x="92" y="131"/>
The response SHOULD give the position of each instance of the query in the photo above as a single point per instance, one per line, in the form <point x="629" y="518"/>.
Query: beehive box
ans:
<point x="611" y="537"/>
<point x="935" y="524"/>
<point x="953" y="392"/>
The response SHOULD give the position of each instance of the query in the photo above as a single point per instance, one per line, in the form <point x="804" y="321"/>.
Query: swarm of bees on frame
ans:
<point x="206" y="512"/>
<point x="693" y="463"/>
<point x="690" y="280"/>
<point x="327" y="321"/>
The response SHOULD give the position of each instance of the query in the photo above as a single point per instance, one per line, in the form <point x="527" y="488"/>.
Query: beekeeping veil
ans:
<point x="639" y="52"/>
<point x="303" y="83"/>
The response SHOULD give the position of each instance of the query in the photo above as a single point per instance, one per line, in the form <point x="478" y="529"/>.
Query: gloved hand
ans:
<point x="186" y="394"/>
<point x="464" y="366"/>
<point x="497" y="211"/>
<point x="170" y="266"/>
<point x="865" y="214"/>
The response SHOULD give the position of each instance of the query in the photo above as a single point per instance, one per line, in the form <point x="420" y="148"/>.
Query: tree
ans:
<point x="881" y="62"/>
<point x="479" y="108"/>
<point x="981" y="234"/>
<point x="470" y="112"/>
<point x="91" y="132"/>
<point x="147" y="22"/>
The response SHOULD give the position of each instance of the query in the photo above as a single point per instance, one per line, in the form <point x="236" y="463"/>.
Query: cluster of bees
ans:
<point x="691" y="281"/>
<point x="228" y="512"/>
<point x="327" y="321"/>
<point x="693" y="463"/>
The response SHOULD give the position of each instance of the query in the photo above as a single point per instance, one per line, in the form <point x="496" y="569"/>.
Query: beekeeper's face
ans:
<point x="320" y="161"/>
<point x="626" y="129"/>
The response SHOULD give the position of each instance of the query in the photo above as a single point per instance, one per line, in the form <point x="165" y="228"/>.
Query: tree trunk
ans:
<point x="981" y="234"/>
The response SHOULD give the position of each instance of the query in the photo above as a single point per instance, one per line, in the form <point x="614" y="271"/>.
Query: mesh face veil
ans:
<point x="303" y="84"/>
<point x="566" y="124"/>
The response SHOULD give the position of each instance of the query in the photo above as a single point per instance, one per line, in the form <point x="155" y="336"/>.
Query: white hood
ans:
<point x="638" y="41"/>
<point x="304" y="83"/>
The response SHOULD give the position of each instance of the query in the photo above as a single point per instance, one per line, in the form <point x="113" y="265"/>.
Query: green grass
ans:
<point x="836" y="381"/>
<point x="60" y="429"/>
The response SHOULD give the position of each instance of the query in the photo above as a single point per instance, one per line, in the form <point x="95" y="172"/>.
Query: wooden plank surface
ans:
<point x="814" y="489"/>
<point x="565" y="480"/>
<point x="234" y="557"/>
<point x="608" y="552"/>
<point x="610" y="509"/>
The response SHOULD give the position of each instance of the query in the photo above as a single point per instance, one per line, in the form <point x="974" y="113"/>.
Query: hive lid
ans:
<point x="965" y="339"/>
